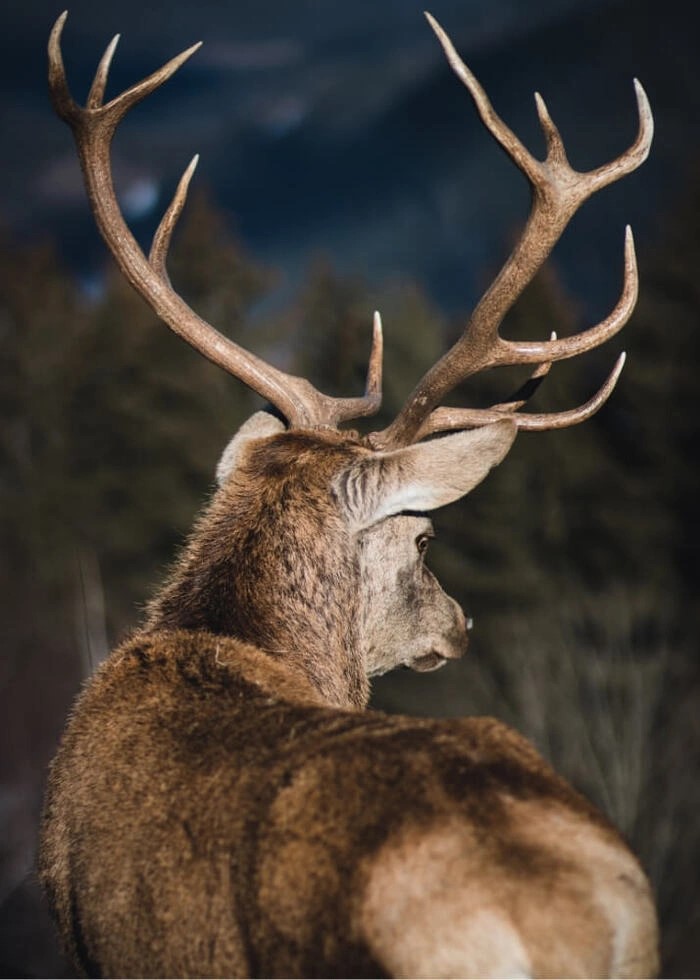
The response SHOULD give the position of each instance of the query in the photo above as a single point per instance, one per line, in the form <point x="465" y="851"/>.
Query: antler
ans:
<point x="93" y="128"/>
<point x="558" y="191"/>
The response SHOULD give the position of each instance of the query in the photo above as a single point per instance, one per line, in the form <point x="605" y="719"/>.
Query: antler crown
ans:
<point x="557" y="192"/>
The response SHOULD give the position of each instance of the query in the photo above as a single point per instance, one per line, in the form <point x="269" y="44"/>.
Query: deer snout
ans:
<point x="452" y="644"/>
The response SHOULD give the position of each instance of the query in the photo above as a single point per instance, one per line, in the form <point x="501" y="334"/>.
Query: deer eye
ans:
<point x="422" y="542"/>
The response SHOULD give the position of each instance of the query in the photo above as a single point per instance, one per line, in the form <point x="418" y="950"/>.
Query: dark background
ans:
<point x="342" y="167"/>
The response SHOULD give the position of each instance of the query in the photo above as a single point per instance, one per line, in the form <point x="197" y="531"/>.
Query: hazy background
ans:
<point x="338" y="128"/>
<point x="343" y="166"/>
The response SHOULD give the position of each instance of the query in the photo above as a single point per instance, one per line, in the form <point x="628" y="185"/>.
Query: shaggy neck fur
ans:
<point x="270" y="562"/>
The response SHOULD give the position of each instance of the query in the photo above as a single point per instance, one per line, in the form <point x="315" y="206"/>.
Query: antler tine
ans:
<point x="558" y="349"/>
<point x="557" y="192"/>
<point x="637" y="153"/>
<point x="161" y="240"/>
<point x="373" y="386"/>
<point x="99" y="84"/>
<point x="61" y="99"/>
<point x="450" y="419"/>
<point x="493" y="122"/>
<point x="93" y="128"/>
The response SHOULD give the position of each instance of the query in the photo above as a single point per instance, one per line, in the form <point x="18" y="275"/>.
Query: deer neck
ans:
<point x="291" y="594"/>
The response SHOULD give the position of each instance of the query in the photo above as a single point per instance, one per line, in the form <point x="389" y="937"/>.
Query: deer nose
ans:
<point x="464" y="623"/>
<point x="459" y="639"/>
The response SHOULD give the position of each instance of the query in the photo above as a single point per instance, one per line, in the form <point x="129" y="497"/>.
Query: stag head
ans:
<point x="313" y="549"/>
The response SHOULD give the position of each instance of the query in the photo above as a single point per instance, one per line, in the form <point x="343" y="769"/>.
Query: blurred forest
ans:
<point x="578" y="557"/>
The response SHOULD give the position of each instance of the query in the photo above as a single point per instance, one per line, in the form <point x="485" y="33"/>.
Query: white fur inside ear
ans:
<point x="424" y="476"/>
<point x="258" y="426"/>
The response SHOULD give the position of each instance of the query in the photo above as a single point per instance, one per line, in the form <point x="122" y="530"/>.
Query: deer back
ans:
<point x="209" y="815"/>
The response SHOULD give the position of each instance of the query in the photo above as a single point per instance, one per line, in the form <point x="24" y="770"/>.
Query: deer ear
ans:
<point x="257" y="427"/>
<point x="422" y="477"/>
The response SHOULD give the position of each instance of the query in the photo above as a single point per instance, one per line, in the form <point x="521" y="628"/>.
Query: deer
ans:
<point x="223" y="803"/>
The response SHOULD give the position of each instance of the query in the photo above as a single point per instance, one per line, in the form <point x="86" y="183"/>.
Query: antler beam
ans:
<point x="93" y="128"/>
<point x="557" y="191"/>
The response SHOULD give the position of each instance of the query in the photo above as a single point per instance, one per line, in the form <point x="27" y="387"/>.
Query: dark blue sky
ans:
<point x="337" y="128"/>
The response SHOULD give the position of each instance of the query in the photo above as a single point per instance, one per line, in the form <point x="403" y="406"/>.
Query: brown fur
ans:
<point x="266" y="563"/>
<point x="221" y="805"/>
